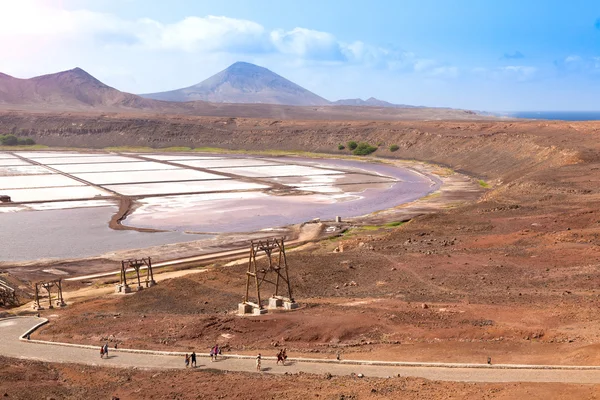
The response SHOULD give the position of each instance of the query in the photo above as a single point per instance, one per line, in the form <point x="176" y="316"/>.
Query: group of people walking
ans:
<point x="215" y="351"/>
<point x="104" y="351"/>
<point x="190" y="359"/>
<point x="281" y="358"/>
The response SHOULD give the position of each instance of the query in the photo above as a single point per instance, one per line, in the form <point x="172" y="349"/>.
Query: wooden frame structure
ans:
<point x="8" y="296"/>
<point x="48" y="285"/>
<point x="275" y="273"/>
<point x="136" y="264"/>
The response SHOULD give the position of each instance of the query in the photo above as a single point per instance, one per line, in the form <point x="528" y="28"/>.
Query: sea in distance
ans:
<point x="556" y="115"/>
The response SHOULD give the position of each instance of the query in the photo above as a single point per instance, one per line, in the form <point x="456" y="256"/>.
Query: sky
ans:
<point x="509" y="55"/>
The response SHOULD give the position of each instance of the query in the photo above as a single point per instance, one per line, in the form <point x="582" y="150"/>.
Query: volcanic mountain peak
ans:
<point x="75" y="77"/>
<point x="70" y="89"/>
<point x="243" y="82"/>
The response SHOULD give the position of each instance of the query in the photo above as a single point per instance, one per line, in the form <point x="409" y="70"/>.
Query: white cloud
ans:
<point x="575" y="64"/>
<point x="209" y="33"/>
<point x="518" y="73"/>
<point x="444" y="72"/>
<point x="307" y="43"/>
<point x="144" y="55"/>
<point x="572" y="59"/>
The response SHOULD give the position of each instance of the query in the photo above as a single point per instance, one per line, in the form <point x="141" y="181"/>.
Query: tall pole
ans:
<point x="287" y="276"/>
<point x="256" y="280"/>
<point x="248" y="273"/>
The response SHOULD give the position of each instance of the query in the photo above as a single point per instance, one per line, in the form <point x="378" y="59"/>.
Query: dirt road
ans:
<point x="12" y="328"/>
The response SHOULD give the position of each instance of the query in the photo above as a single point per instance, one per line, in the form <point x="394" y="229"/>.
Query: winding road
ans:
<point x="13" y="344"/>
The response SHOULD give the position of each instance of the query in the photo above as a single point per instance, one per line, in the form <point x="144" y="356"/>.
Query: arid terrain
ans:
<point x="512" y="276"/>
<point x="65" y="381"/>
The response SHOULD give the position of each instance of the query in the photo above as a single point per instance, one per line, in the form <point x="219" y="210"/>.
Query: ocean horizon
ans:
<point x="556" y="115"/>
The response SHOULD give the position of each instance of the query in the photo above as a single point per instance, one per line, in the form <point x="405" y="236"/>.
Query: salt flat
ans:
<point x="12" y="161"/>
<point x="111" y="167"/>
<point x="226" y="163"/>
<point x="184" y="187"/>
<point x="36" y="181"/>
<point x="81" y="160"/>
<point x="6" y="156"/>
<point x="24" y="170"/>
<point x="107" y="178"/>
<point x="279" y="170"/>
<point x="58" y="154"/>
<point x="174" y="157"/>
<point x="52" y="194"/>
<point x="182" y="199"/>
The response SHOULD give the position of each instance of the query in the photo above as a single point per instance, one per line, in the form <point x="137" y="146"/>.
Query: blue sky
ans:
<point x="484" y="55"/>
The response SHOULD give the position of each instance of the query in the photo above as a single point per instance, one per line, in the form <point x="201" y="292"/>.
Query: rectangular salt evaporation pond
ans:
<point x="35" y="181"/>
<point x="112" y="167"/>
<point x="12" y="162"/>
<point x="6" y="155"/>
<point x="226" y="163"/>
<point x="173" y="157"/>
<point x="55" y="154"/>
<point x="52" y="194"/>
<point x="184" y="187"/>
<point x="279" y="170"/>
<point x="24" y="170"/>
<point x="327" y="164"/>
<point x="108" y="178"/>
<point x="82" y="160"/>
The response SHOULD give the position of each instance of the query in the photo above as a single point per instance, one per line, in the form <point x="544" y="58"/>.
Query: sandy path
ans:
<point x="12" y="346"/>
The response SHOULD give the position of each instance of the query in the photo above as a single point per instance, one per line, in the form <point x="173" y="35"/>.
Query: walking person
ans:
<point x="101" y="351"/>
<point x="212" y="354"/>
<point x="106" y="349"/>
<point x="187" y="360"/>
<point x="284" y="355"/>
<point x="217" y="351"/>
<point x="280" y="357"/>
<point x="258" y="358"/>
<point x="193" y="357"/>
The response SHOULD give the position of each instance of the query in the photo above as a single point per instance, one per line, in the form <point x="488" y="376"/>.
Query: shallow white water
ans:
<point x="232" y="162"/>
<point x="33" y="181"/>
<point x="12" y="161"/>
<point x="111" y="167"/>
<point x="219" y="205"/>
<point x="106" y="178"/>
<point x="51" y="194"/>
<point x="81" y="160"/>
<point x="58" y="154"/>
<point x="174" y="157"/>
<point x="279" y="170"/>
<point x="24" y="170"/>
<point x="6" y="156"/>
<point x="184" y="187"/>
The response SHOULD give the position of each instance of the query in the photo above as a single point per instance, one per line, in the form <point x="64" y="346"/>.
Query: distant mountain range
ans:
<point x="370" y="102"/>
<point x="243" y="82"/>
<point x="241" y="90"/>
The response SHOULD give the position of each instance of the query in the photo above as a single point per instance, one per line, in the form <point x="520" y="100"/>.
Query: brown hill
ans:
<point x="72" y="89"/>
